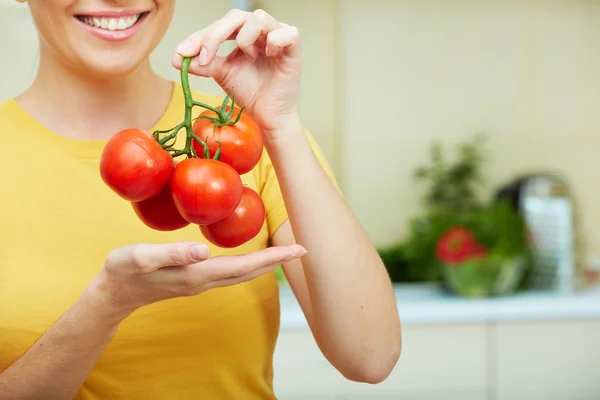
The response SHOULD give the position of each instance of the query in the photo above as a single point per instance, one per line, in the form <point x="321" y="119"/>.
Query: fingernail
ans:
<point x="203" y="57"/>
<point x="251" y="53"/>
<point x="199" y="252"/>
<point x="184" y="46"/>
<point x="269" y="51"/>
<point x="302" y="253"/>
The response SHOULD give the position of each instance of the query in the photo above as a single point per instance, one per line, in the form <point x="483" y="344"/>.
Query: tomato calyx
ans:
<point x="224" y="113"/>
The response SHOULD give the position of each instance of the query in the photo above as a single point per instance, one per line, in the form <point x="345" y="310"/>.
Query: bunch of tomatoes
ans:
<point x="205" y="188"/>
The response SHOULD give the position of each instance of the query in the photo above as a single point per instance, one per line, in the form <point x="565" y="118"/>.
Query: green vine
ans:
<point x="224" y="117"/>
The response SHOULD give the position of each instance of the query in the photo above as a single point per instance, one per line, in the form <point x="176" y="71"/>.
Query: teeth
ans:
<point x="111" y="24"/>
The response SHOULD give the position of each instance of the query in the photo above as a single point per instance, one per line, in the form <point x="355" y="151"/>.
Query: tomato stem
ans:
<point x="200" y="104"/>
<point x="189" y="105"/>
<point x="224" y="117"/>
<point x="172" y="135"/>
<point x="218" y="152"/>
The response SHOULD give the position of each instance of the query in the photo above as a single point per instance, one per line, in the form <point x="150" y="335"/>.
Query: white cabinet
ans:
<point x="531" y="346"/>
<point x="556" y="360"/>
<point x="437" y="362"/>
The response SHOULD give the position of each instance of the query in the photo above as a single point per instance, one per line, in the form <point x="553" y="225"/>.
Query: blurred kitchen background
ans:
<point x="465" y="134"/>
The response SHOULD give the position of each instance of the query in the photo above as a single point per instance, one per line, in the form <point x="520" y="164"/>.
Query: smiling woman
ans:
<point x="105" y="307"/>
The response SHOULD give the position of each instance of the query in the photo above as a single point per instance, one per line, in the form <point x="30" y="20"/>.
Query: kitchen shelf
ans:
<point x="428" y="304"/>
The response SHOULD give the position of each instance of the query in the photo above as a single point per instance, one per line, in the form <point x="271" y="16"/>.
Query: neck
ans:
<point x="95" y="109"/>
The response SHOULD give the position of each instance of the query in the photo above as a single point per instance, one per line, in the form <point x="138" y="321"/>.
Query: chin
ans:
<point x="113" y="65"/>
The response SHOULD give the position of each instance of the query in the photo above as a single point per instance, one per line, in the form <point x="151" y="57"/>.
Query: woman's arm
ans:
<point x="341" y="284"/>
<point x="58" y="363"/>
<point x="353" y="312"/>
<point x="56" y="366"/>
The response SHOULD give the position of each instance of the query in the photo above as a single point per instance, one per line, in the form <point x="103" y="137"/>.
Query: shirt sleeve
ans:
<point x="276" y="212"/>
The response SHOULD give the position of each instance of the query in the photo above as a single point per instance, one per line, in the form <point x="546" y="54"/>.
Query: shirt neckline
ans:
<point x="80" y="148"/>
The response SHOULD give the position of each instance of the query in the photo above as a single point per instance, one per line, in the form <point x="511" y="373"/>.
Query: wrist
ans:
<point x="99" y="302"/>
<point x="289" y="132"/>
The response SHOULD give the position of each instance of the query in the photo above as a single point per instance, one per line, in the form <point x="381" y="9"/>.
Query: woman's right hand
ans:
<point x="132" y="277"/>
<point x="137" y="275"/>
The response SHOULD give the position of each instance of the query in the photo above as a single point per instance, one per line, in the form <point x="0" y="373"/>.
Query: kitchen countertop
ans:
<point x="428" y="304"/>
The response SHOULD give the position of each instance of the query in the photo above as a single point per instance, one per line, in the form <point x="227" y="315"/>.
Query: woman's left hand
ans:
<point x="263" y="70"/>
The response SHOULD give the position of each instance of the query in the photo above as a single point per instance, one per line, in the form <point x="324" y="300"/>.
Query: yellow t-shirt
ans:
<point x="58" y="221"/>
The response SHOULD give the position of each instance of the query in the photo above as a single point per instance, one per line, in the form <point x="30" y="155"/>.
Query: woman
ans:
<point x="92" y="306"/>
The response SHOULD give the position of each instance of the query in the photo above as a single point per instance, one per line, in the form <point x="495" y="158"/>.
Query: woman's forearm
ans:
<point x="354" y="309"/>
<point x="56" y="366"/>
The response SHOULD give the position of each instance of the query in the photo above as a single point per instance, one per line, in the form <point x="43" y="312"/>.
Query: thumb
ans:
<point x="147" y="258"/>
<point x="217" y="69"/>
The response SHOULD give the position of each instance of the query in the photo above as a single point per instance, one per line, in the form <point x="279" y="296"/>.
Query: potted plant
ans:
<point x="475" y="248"/>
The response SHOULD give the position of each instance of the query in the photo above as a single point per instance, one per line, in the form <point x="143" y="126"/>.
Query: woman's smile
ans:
<point x="113" y="25"/>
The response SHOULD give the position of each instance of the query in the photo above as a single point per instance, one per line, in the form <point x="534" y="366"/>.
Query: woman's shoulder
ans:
<point x="8" y="111"/>
<point x="14" y="118"/>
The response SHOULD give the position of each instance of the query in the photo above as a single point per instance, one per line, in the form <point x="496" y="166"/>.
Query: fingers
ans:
<point x="206" y="42"/>
<point x="235" y="281"/>
<point x="287" y="37"/>
<point x="260" y="23"/>
<point x="235" y="267"/>
<point x="147" y="258"/>
<point x="217" y="69"/>
<point x="193" y="279"/>
<point x="255" y="33"/>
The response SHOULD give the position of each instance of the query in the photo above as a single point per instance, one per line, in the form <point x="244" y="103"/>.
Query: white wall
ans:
<point x="18" y="43"/>
<point x="525" y="72"/>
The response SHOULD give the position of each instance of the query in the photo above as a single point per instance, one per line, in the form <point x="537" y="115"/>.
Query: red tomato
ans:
<point x="135" y="166"/>
<point x="241" y="144"/>
<point x="205" y="191"/>
<point x="244" y="224"/>
<point x="159" y="212"/>
<point x="458" y="245"/>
